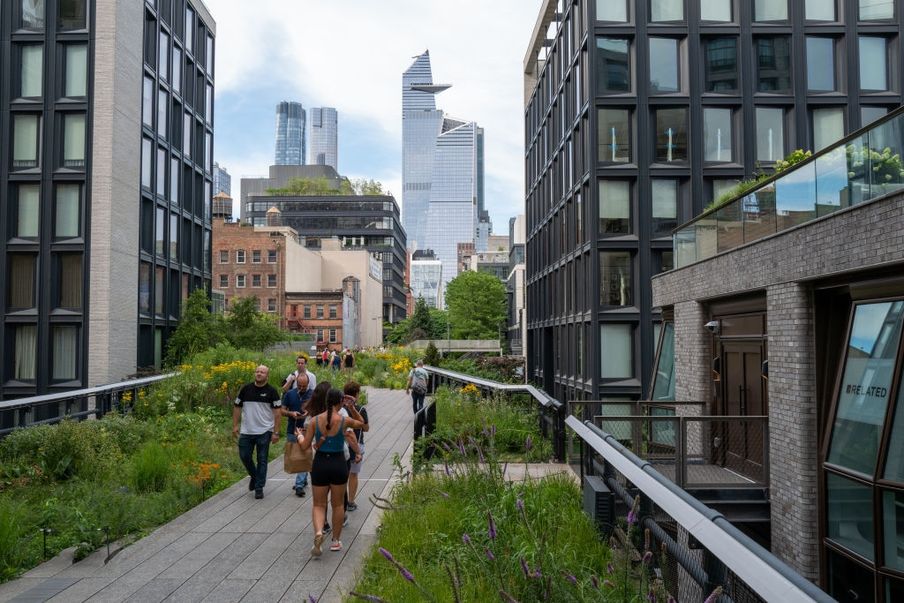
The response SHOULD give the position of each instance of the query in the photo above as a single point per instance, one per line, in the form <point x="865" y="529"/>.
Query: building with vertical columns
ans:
<point x="106" y="129"/>
<point x="785" y="311"/>
<point x="290" y="134"/>
<point x="323" y="142"/>
<point x="637" y="115"/>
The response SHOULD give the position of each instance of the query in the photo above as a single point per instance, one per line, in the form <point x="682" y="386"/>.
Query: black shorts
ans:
<point x="329" y="469"/>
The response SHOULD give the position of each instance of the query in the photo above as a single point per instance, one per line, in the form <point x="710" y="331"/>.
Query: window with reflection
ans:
<point x="612" y="10"/>
<point x="770" y="10"/>
<point x="820" y="10"/>
<point x="147" y="160"/>
<point x="615" y="207"/>
<point x="828" y="127"/>
<point x="163" y="57"/>
<point x="176" y="81"/>
<point x="68" y="294"/>
<point x="773" y="63"/>
<point x="720" y="64"/>
<point x="76" y="80"/>
<point x="869" y="114"/>
<point x="665" y="206"/>
<point x="72" y="14"/>
<point x="821" y="64"/>
<point x="615" y="279"/>
<point x="666" y="10"/>
<point x="717" y="138"/>
<point x="24" y="352"/>
<point x="849" y="516"/>
<point x="664" y="59"/>
<point x="74" y="140"/>
<point x="31" y="15"/>
<point x="716" y="10"/>
<point x="872" y="10"/>
<point x="65" y="353"/>
<point x="613" y="69"/>
<point x="671" y="135"/>
<point x="144" y="288"/>
<point x="616" y="351"/>
<point x="664" y="376"/>
<point x="893" y="529"/>
<point x="161" y="171"/>
<point x="770" y="134"/>
<point x="22" y="281"/>
<point x="865" y="384"/>
<point x="31" y="72"/>
<point x="160" y="231"/>
<point x="873" y="63"/>
<point x="27" y="210"/>
<point x="159" y="278"/>
<point x="162" y="112"/>
<point x="614" y="135"/>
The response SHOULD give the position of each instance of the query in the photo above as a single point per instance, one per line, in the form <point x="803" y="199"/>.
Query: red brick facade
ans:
<point x="319" y="314"/>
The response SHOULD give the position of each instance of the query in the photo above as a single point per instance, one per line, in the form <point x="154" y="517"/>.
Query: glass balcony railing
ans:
<point x="866" y="165"/>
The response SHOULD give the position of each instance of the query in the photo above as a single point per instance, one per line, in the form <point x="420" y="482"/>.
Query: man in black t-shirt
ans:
<point x="258" y="408"/>
<point x="352" y="390"/>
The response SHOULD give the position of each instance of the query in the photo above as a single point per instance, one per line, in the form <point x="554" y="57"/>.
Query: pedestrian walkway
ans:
<point x="232" y="547"/>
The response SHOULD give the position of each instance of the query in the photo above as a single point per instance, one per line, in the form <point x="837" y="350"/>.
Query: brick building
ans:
<point x="785" y="313"/>
<point x="247" y="261"/>
<point x="317" y="312"/>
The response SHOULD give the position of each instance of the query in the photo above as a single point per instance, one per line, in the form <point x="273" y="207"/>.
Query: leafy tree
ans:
<point x="362" y="186"/>
<point x="439" y="320"/>
<point x="247" y="327"/>
<point x="397" y="333"/>
<point x="477" y="305"/>
<point x="431" y="355"/>
<point x="197" y="331"/>
<point x="420" y="326"/>
<point x="321" y="186"/>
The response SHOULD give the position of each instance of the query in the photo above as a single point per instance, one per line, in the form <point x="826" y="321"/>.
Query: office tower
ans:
<point x="368" y="222"/>
<point x="290" y="134"/>
<point x="427" y="278"/>
<point x="222" y="181"/>
<point x="422" y="122"/>
<point x="108" y="218"/>
<point x="634" y="129"/>
<point x="323" y="146"/>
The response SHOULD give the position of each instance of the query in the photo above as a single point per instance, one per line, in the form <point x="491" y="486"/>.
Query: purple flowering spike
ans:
<point x="406" y="574"/>
<point x="524" y="568"/>
<point x="714" y="596"/>
<point x="490" y="555"/>
<point x="448" y="470"/>
<point x="312" y="599"/>
<point x="491" y="526"/>
<point x="608" y="584"/>
<point x="537" y="574"/>
<point x="647" y="557"/>
<point x="492" y="431"/>
<point x="466" y="539"/>
<point x="528" y="444"/>
<point x="520" y="504"/>
<point x="632" y="517"/>
<point x="595" y="582"/>
<point x="571" y="578"/>
<point x="386" y="554"/>
<point x="461" y="448"/>
<point x="610" y="569"/>
<point x="671" y="599"/>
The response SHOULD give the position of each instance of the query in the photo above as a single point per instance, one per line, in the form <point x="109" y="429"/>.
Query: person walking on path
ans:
<point x="329" y="473"/>
<point x="304" y="382"/>
<point x="417" y="385"/>
<point x="301" y="368"/>
<point x="258" y="407"/>
<point x="349" y="360"/>
<point x="352" y="391"/>
<point x="335" y="361"/>
<point x="294" y="409"/>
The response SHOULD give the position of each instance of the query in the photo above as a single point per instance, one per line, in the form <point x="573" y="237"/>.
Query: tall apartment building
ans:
<point x="106" y="220"/>
<point x="290" y="134"/>
<point x="638" y="114"/>
<point x="368" y="222"/>
<point x="323" y="142"/>
<point x="427" y="278"/>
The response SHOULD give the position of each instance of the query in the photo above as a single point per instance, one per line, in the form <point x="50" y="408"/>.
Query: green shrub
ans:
<point x="13" y="520"/>
<point x="150" y="468"/>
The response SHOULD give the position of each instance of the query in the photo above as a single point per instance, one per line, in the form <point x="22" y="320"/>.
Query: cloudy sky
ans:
<point x="350" y="54"/>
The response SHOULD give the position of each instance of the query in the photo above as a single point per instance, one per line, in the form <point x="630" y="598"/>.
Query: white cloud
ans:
<point x="350" y="54"/>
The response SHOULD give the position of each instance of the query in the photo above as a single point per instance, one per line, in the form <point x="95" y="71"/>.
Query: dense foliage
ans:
<point x="424" y="323"/>
<point x="476" y="302"/>
<point x="302" y="187"/>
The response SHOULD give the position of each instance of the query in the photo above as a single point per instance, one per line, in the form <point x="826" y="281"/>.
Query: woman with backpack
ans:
<point x="417" y="385"/>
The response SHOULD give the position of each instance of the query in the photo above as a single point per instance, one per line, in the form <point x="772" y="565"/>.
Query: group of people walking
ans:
<point x="318" y="415"/>
<point x="336" y="360"/>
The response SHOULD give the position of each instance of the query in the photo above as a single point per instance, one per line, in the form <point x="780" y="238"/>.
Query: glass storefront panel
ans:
<point x="894" y="464"/>
<point x="848" y="580"/>
<point x="849" y="516"/>
<point x="893" y="528"/>
<point x="864" y="392"/>
<point x="664" y="378"/>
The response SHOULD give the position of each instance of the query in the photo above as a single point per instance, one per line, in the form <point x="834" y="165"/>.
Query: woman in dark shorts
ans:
<point x="329" y="473"/>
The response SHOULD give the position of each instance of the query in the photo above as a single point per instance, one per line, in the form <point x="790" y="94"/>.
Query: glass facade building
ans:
<point x="290" y="134"/>
<point x="323" y="142"/>
<point x="637" y="115"/>
<point x="426" y="278"/>
<point x="106" y="229"/>
<point x="222" y="181"/>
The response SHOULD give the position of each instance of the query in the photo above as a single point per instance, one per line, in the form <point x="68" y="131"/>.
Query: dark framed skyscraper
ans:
<point x="638" y="113"/>
<point x="106" y="221"/>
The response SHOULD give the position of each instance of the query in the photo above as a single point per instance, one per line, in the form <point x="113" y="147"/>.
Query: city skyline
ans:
<point x="370" y="137"/>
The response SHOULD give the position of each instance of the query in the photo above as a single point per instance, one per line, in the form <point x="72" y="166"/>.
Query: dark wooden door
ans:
<point x="743" y="394"/>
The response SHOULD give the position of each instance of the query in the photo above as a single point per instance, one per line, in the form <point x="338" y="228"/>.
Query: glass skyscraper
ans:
<point x="442" y="166"/>
<point x="290" y="135"/>
<point x="324" y="147"/>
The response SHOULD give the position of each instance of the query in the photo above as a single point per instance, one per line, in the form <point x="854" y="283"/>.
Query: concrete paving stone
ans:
<point x="257" y="563"/>
<point x="211" y="575"/>
<point x="53" y="566"/>
<point x="300" y="590"/>
<point x="16" y="587"/>
<point x="81" y="590"/>
<point x="199" y="557"/>
<point x="229" y="591"/>
<point x="155" y="591"/>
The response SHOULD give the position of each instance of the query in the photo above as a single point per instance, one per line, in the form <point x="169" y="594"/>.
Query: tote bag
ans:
<point x="296" y="460"/>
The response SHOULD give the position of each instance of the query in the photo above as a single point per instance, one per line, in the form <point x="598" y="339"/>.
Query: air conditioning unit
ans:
<point x="599" y="503"/>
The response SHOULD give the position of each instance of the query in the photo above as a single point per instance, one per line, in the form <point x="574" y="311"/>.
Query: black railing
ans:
<point x="696" y="548"/>
<point x="76" y="404"/>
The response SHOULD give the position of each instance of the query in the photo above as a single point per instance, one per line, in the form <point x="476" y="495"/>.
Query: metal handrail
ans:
<point x="769" y="576"/>
<point x="515" y="388"/>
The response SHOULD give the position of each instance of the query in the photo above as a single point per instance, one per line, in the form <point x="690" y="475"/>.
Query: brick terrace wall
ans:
<point x="864" y="237"/>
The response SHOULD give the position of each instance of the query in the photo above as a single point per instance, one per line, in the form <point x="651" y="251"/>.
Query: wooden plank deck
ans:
<point x="232" y="547"/>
